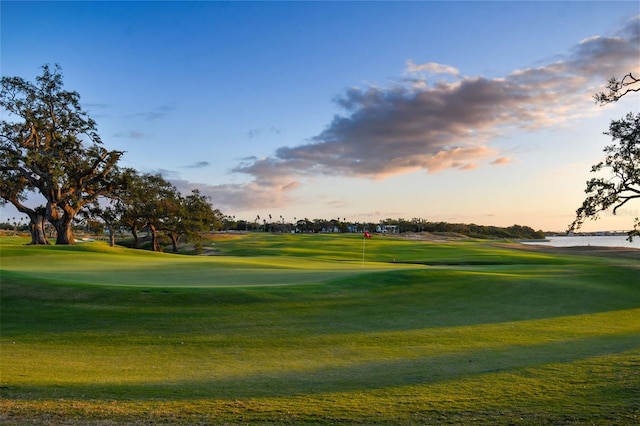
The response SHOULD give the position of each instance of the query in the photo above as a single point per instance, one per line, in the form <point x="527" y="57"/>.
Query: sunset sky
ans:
<point x="474" y="112"/>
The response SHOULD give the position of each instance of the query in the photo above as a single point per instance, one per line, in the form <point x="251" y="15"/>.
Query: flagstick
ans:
<point x="364" y="241"/>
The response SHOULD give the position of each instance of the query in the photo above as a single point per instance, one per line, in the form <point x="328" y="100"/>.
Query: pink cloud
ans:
<point x="500" y="161"/>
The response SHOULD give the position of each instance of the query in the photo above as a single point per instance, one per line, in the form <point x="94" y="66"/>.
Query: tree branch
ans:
<point x="616" y="87"/>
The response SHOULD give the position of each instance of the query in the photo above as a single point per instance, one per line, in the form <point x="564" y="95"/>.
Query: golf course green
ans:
<point x="318" y="330"/>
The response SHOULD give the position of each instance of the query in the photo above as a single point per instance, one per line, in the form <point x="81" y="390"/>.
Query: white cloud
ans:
<point x="431" y="68"/>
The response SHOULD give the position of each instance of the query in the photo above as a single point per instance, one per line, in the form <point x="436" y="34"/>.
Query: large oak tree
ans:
<point x="50" y="146"/>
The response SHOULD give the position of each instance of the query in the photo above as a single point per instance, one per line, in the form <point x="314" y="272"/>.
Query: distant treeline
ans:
<point x="385" y="226"/>
<point x="482" y="231"/>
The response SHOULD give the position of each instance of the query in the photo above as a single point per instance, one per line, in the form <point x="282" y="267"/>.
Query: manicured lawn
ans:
<point x="296" y="329"/>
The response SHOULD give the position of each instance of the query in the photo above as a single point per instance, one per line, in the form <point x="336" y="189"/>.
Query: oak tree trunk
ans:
<point x="155" y="244"/>
<point x="112" y="235"/>
<point x="134" y="233"/>
<point x="61" y="220"/>
<point x="174" y="241"/>
<point x="37" y="218"/>
<point x="65" y="235"/>
<point x="36" y="228"/>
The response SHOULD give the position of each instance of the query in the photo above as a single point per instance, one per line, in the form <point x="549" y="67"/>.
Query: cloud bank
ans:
<point x="449" y="123"/>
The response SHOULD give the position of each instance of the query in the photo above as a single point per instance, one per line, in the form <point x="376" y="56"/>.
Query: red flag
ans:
<point x="367" y="235"/>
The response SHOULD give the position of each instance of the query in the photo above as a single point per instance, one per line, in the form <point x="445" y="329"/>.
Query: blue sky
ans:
<point x="476" y="112"/>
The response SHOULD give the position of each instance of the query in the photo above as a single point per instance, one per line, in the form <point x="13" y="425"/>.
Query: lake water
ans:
<point x="599" y="241"/>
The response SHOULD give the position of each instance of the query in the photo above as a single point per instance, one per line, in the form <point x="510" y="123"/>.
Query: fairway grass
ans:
<point x="300" y="329"/>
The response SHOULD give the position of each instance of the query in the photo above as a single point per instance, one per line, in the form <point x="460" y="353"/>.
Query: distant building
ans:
<point x="387" y="229"/>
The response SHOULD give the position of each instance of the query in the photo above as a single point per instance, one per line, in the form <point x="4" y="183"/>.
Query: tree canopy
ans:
<point x="622" y="161"/>
<point x="51" y="147"/>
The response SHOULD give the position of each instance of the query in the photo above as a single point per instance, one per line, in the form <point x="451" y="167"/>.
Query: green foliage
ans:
<point x="622" y="161"/>
<point x="482" y="231"/>
<point x="293" y="329"/>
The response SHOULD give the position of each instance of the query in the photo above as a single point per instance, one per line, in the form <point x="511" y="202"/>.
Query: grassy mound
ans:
<point x="300" y="329"/>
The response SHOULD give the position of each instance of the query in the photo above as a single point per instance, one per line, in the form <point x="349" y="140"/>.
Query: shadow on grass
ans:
<point x="376" y="302"/>
<point x="357" y="377"/>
